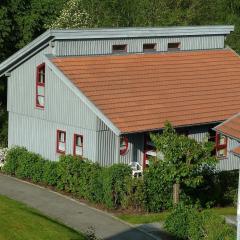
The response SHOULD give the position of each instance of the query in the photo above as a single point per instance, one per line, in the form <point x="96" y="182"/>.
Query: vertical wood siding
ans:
<point x="104" y="46"/>
<point x="39" y="135"/>
<point x="231" y="162"/>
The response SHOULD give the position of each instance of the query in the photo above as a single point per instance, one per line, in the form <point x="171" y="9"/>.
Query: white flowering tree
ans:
<point x="72" y="16"/>
<point x="3" y="154"/>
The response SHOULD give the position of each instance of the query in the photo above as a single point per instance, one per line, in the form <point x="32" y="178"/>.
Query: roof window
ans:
<point x="149" y="47"/>
<point x="119" y="48"/>
<point x="174" y="46"/>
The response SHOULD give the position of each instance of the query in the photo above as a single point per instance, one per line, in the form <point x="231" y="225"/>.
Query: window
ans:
<point x="40" y="86"/>
<point x="221" y="145"/>
<point x="149" y="47"/>
<point x="61" y="141"/>
<point x="119" y="48"/>
<point x="123" y="145"/>
<point x="174" y="46"/>
<point x="78" y="145"/>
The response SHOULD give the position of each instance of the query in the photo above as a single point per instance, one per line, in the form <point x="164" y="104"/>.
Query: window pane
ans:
<point x="40" y="90"/>
<point x="222" y="140"/>
<point x="62" y="137"/>
<point x="149" y="47"/>
<point x="61" y="146"/>
<point x="79" y="151"/>
<point x="221" y="153"/>
<point x="173" y="46"/>
<point x="119" y="48"/>
<point x="79" y="141"/>
<point x="40" y="101"/>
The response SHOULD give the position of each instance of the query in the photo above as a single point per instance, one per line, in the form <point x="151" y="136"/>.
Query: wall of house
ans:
<point x="63" y="110"/>
<point x="39" y="136"/>
<point x="135" y="45"/>
<point x="231" y="162"/>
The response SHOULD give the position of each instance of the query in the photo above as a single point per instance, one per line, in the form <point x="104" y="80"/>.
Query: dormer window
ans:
<point x="174" y="46"/>
<point x="40" y="86"/>
<point x="119" y="48"/>
<point x="149" y="47"/>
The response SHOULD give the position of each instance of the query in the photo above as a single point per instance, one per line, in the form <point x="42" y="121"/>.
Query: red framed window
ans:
<point x="123" y="145"/>
<point x="78" y="145"/>
<point x="40" y="86"/>
<point x="221" y="145"/>
<point x="61" y="141"/>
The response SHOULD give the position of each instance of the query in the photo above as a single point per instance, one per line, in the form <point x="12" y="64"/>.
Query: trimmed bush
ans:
<point x="13" y="158"/>
<point x="30" y="166"/>
<point x="185" y="222"/>
<point x="158" y="191"/>
<point x="115" y="179"/>
<point x="50" y="173"/>
<point x="135" y="196"/>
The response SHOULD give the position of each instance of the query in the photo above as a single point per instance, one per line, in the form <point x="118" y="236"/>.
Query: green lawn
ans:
<point x="19" y="222"/>
<point x="160" y="217"/>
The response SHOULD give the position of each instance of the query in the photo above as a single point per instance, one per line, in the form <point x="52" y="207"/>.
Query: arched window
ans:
<point x="123" y="145"/>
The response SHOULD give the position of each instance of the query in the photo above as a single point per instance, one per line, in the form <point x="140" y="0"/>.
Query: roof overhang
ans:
<point x="109" y="33"/>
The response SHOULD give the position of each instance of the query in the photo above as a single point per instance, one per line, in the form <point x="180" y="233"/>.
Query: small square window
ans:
<point x="174" y="46"/>
<point x="119" y="48"/>
<point x="61" y="141"/>
<point x="149" y="47"/>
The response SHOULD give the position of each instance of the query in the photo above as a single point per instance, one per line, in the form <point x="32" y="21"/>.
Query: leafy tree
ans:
<point x="73" y="15"/>
<point x="183" y="160"/>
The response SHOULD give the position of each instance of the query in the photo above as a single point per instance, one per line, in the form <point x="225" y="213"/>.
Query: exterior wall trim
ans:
<point x="81" y="95"/>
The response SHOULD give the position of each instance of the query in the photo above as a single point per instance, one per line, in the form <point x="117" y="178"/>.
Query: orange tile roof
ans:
<point x="230" y="127"/>
<point x="139" y="92"/>
<point x="236" y="150"/>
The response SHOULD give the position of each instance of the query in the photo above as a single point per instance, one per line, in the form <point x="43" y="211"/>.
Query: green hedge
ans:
<point x="186" y="222"/>
<point x="105" y="185"/>
<point x="113" y="186"/>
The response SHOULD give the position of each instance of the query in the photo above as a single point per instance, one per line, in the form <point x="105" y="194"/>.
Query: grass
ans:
<point x="19" y="222"/>
<point x="160" y="217"/>
<point x="225" y="211"/>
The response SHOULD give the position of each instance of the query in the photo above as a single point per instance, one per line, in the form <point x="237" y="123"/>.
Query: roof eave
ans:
<point x="24" y="53"/>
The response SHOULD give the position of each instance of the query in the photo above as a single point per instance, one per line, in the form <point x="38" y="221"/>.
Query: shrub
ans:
<point x="115" y="180"/>
<point x="50" y="174"/>
<point x="179" y="221"/>
<point x="217" y="189"/>
<point x="69" y="169"/>
<point x="80" y="177"/>
<point x="158" y="191"/>
<point x="185" y="222"/>
<point x="30" y="166"/>
<point x="135" y="194"/>
<point x="13" y="158"/>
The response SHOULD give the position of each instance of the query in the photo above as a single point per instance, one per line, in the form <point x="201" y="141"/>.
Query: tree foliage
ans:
<point x="23" y="20"/>
<point x="183" y="158"/>
<point x="73" y="15"/>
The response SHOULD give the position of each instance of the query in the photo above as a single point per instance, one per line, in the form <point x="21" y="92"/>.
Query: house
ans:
<point x="229" y="134"/>
<point x="98" y="93"/>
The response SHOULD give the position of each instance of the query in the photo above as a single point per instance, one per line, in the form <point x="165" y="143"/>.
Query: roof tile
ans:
<point x="139" y="92"/>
